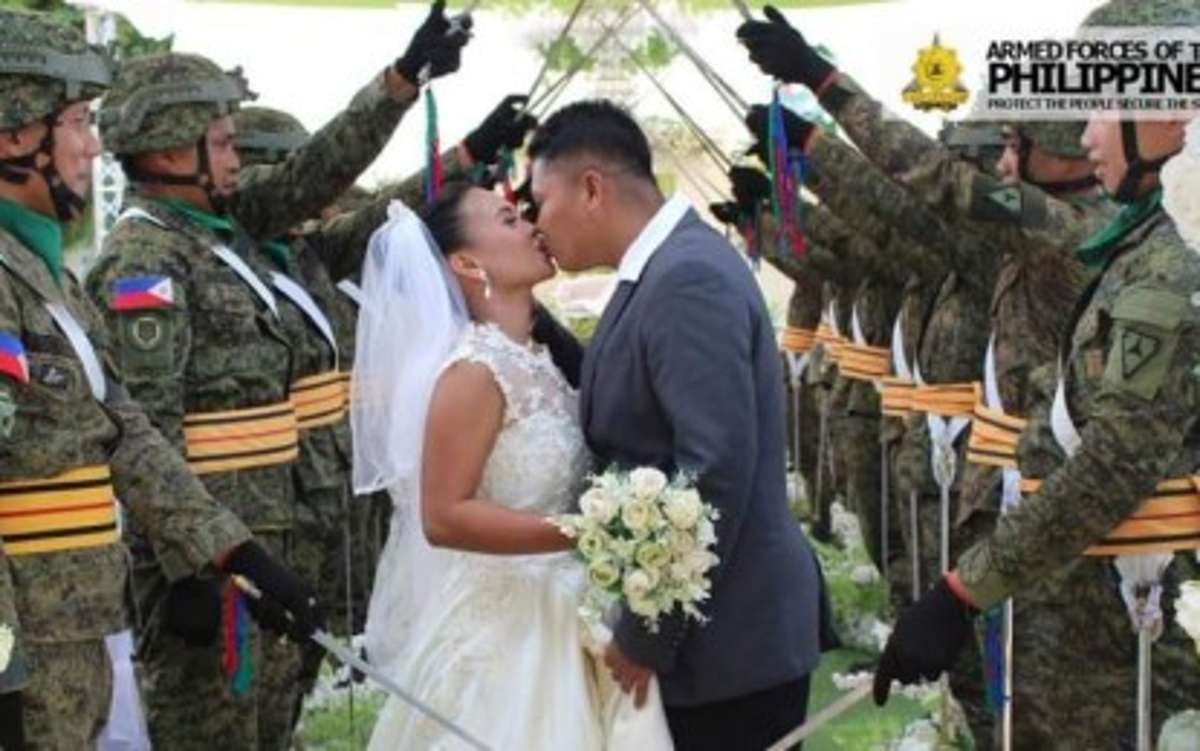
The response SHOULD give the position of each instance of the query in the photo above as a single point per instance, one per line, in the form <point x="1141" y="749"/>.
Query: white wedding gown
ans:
<point x="498" y="647"/>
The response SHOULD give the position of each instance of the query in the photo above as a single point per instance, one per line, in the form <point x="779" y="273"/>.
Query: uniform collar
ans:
<point x="651" y="237"/>
<point x="278" y="251"/>
<point x="41" y="234"/>
<point x="1097" y="249"/>
<point x="220" y="225"/>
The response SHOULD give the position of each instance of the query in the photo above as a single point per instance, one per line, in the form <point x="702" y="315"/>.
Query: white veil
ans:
<point x="412" y="315"/>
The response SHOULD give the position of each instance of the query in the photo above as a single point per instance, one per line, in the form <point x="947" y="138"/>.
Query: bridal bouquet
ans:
<point x="646" y="541"/>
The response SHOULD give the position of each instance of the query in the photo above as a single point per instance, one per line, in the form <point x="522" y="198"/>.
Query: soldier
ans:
<point x="1126" y="410"/>
<point x="306" y="264"/>
<point x="71" y="440"/>
<point x="204" y="344"/>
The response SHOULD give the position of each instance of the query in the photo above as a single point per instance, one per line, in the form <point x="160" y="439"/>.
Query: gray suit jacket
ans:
<point x="683" y="373"/>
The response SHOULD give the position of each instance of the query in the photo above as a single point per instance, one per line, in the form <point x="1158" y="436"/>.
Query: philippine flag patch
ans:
<point x="143" y="292"/>
<point x="12" y="358"/>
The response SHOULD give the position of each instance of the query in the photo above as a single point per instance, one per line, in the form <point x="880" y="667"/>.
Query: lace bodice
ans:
<point x="540" y="460"/>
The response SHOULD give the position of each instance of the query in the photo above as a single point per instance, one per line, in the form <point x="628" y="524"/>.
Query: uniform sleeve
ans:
<point x="341" y="242"/>
<point x="149" y="349"/>
<point x="1023" y="215"/>
<point x="857" y="191"/>
<point x="1143" y="411"/>
<point x="270" y="199"/>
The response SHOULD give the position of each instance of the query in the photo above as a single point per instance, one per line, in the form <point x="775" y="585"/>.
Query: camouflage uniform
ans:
<point x="1129" y="370"/>
<point x="950" y="349"/>
<point x="74" y="431"/>
<point x="1038" y="281"/>
<point x="315" y="257"/>
<point x="219" y="346"/>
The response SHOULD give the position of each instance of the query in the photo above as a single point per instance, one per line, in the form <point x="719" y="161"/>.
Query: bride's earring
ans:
<point x="487" y="286"/>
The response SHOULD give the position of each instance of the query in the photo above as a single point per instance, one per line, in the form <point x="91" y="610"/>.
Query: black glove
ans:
<point x="12" y="722"/>
<point x="781" y="52"/>
<point x="506" y="125"/>
<point x="194" y="611"/>
<point x="726" y="212"/>
<point x="796" y="129"/>
<point x="288" y="605"/>
<point x="435" y="44"/>
<point x="928" y="639"/>
<point x="750" y="186"/>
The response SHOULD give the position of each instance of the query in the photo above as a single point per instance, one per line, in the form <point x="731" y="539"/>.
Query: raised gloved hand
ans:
<point x="795" y="128"/>
<point x="288" y="605"/>
<point x="506" y="125"/>
<point x="750" y="186"/>
<point x="928" y="639"/>
<point x="193" y="611"/>
<point x="781" y="51"/>
<point x="12" y="722"/>
<point x="438" y="44"/>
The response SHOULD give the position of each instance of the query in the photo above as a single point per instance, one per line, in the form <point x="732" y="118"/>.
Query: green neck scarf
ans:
<point x="1096" y="250"/>
<point x="279" y="252"/>
<point x="38" y="232"/>
<point x="221" y="225"/>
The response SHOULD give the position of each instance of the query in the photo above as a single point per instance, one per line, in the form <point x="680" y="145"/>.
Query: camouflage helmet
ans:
<point x="972" y="138"/>
<point x="45" y="64"/>
<point x="266" y="136"/>
<point x="166" y="101"/>
<point x="1145" y="13"/>
<point x="1058" y="137"/>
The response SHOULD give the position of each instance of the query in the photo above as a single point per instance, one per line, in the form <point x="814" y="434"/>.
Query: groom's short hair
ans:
<point x="595" y="127"/>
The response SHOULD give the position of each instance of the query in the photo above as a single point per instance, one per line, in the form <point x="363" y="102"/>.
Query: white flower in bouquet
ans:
<point x="638" y="584"/>
<point x="638" y="515"/>
<point x="1187" y="610"/>
<point x="599" y="505"/>
<point x="604" y="572"/>
<point x="1181" y="194"/>
<point x="7" y="639"/>
<point x="683" y="508"/>
<point x="647" y="483"/>
<point x="706" y="531"/>
<point x="592" y="543"/>
<point x="652" y="556"/>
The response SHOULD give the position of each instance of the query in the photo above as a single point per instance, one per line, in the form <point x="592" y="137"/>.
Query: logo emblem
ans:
<point x="936" y="85"/>
<point x="1137" y="349"/>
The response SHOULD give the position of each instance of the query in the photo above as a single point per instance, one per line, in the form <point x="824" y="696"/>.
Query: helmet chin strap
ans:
<point x="1128" y="190"/>
<point x="68" y="205"/>
<point x="202" y="178"/>
<point x="1053" y="187"/>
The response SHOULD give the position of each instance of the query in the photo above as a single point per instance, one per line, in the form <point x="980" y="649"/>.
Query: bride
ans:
<point x="474" y="432"/>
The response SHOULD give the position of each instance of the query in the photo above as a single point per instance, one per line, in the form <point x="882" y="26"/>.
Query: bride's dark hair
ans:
<point x="444" y="218"/>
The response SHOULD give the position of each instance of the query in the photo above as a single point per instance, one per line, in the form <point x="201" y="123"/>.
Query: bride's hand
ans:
<point x="631" y="676"/>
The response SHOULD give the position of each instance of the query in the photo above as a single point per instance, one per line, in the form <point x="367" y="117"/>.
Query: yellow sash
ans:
<point x="1166" y="522"/>
<point x="241" y="438"/>
<point x="76" y="509"/>
<point x="863" y="362"/>
<point x="895" y="395"/>
<point x="797" y="340"/>
<point x="994" y="437"/>
<point x="320" y="399"/>
<point x="945" y="399"/>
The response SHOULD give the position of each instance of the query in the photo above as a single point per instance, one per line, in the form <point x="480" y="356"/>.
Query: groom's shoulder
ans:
<point x="695" y="251"/>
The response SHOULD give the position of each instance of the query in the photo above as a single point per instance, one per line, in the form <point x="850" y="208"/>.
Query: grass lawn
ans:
<point x="862" y="728"/>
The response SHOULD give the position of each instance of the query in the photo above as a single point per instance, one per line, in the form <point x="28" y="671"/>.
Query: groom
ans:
<point x="683" y="374"/>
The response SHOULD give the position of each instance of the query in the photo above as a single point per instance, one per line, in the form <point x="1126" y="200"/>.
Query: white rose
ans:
<point x="638" y="584"/>
<point x="684" y="508"/>
<point x="699" y="561"/>
<point x="7" y="639"/>
<point x="652" y="556"/>
<point x="637" y="516"/>
<point x="644" y="607"/>
<point x="680" y="543"/>
<point x="647" y="482"/>
<point x="1187" y="610"/>
<point x="706" y="533"/>
<point x="592" y="544"/>
<point x="597" y="504"/>
<point x="603" y="572"/>
<point x="1181" y="196"/>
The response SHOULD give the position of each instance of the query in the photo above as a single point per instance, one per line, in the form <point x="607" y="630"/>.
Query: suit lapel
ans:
<point x="591" y="355"/>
